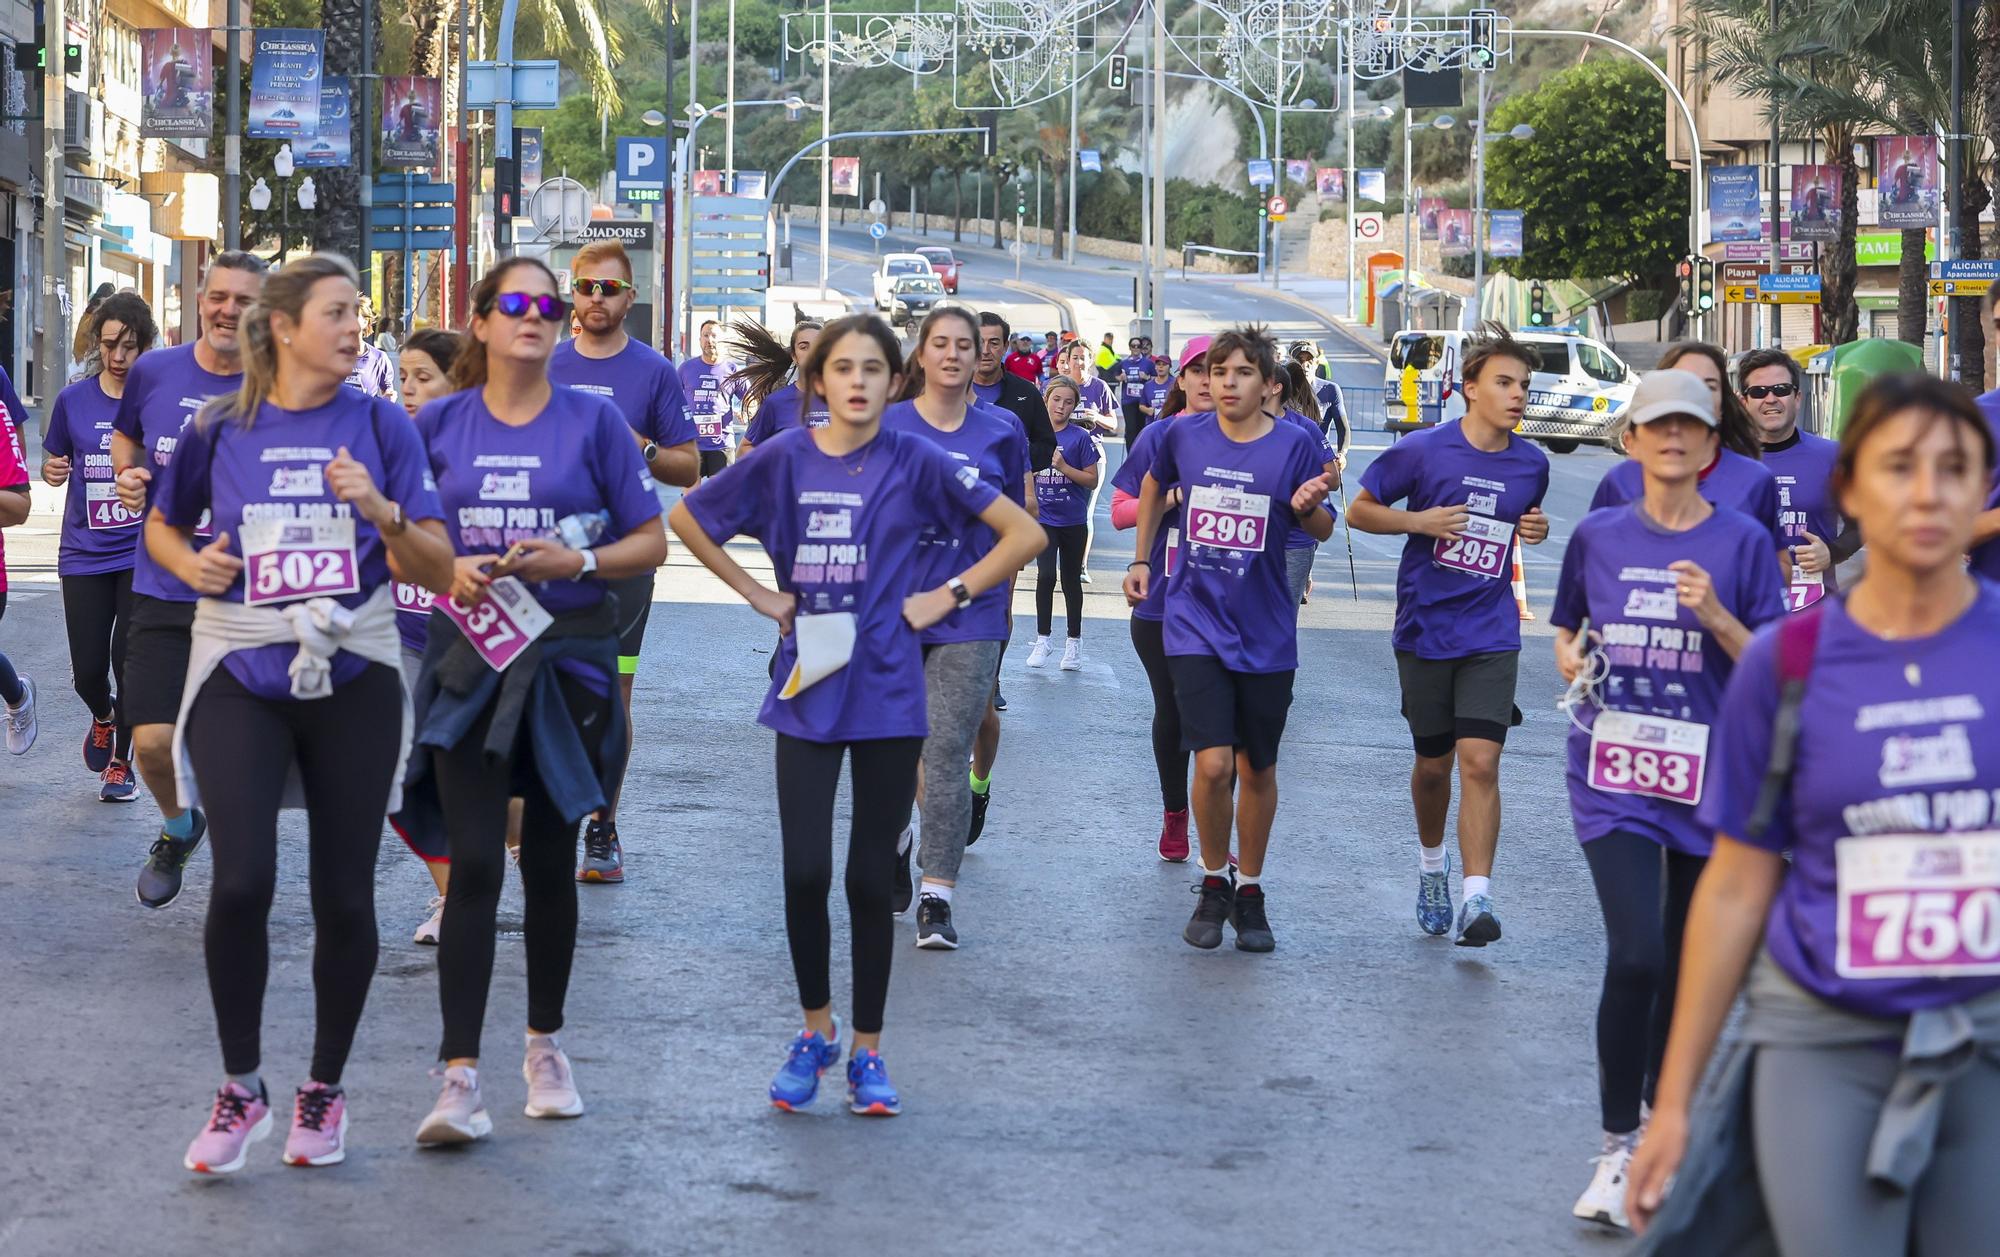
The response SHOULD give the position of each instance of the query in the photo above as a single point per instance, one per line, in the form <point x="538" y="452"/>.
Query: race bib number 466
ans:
<point x="103" y="509"/>
<point x="1481" y="549"/>
<point x="1649" y="755"/>
<point x="1918" y="905"/>
<point x="285" y="560"/>
<point x="1226" y="518"/>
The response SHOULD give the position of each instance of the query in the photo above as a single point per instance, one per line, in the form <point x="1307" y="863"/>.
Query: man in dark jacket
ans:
<point x="994" y="385"/>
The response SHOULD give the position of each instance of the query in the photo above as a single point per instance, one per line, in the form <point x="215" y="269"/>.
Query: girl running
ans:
<point x="1065" y="489"/>
<point x="1663" y="631"/>
<point x="769" y="379"/>
<point x="319" y="499"/>
<point x="17" y="693"/>
<point x="1292" y="402"/>
<point x="842" y="511"/>
<point x="99" y="536"/>
<point x="518" y="694"/>
<point x="1857" y="741"/>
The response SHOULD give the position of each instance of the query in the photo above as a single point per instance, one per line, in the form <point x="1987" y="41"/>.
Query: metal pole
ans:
<point x="1409" y="267"/>
<point x="364" y="137"/>
<point x="1069" y="251"/>
<point x="503" y="118"/>
<point x="1956" y="174"/>
<point x="1479" y="207"/>
<point x="55" y="328"/>
<point x="1278" y="158"/>
<point x="232" y="140"/>
<point x="1038" y="207"/>
<point x="1777" y="312"/>
<point x="1353" y="198"/>
<point x="825" y="133"/>
<point x="664" y="301"/>
<point x="694" y="59"/>
<point x="729" y="97"/>
<point x="1159" y="171"/>
<point x="1147" y="174"/>
<point x="461" y="249"/>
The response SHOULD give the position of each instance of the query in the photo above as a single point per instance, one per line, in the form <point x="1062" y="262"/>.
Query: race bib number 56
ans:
<point x="1226" y="518"/>
<point x="1481" y="549"/>
<point x="1918" y="905"/>
<point x="1648" y="755"/>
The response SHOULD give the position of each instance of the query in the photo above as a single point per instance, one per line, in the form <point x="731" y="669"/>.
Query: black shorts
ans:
<point x="635" y="605"/>
<point x="1242" y="710"/>
<point x="156" y="659"/>
<point x="713" y="461"/>
<point x="1448" y="699"/>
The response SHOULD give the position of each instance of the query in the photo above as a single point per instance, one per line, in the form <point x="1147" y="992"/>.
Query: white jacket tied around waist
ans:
<point x="321" y="627"/>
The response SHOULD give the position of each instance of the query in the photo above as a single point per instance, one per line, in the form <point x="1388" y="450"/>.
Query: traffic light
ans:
<point x="1481" y="36"/>
<point x="72" y="58"/>
<point x="1538" y="305"/>
<point x="1116" y="69"/>
<point x="506" y="186"/>
<point x="1684" y="272"/>
<point x="1704" y="285"/>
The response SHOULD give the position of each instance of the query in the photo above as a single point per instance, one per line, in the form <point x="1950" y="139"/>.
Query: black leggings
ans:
<point x="1644" y="890"/>
<point x="1067" y="542"/>
<point x="1169" y="756"/>
<point x="242" y="748"/>
<point x="95" y="610"/>
<point x="884" y="776"/>
<point x="473" y="790"/>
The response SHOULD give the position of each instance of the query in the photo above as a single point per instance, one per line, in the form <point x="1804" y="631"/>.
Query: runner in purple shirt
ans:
<point x="1471" y="491"/>
<point x="1064" y="492"/>
<point x="374" y="371"/>
<point x="1771" y="386"/>
<point x="1154" y="393"/>
<point x="711" y="399"/>
<point x="1984" y="550"/>
<point x="842" y="511"/>
<point x="1869" y="1070"/>
<point x="1231" y="632"/>
<point x="1133" y="371"/>
<point x="768" y="378"/>
<point x="1732" y="481"/>
<point x="1097" y="408"/>
<point x="1657" y="599"/>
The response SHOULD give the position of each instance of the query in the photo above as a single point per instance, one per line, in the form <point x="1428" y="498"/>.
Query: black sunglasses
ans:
<point x="1758" y="392"/>
<point x="517" y="304"/>
<point x="605" y="287"/>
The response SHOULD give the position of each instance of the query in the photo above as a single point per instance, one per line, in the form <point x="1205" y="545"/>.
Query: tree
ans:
<point x="1600" y="197"/>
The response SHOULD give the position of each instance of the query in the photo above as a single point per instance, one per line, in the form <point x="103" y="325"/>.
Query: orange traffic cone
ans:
<point x="1521" y="585"/>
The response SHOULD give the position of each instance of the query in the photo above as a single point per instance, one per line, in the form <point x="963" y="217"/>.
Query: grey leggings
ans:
<point x="958" y="687"/>
<point x="1298" y="572"/>
<point x="1813" y="1112"/>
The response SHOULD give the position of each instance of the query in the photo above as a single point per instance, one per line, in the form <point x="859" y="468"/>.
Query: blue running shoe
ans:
<point x="797" y="1083"/>
<point x="1434" y="900"/>
<point x="1477" y="926"/>
<point x="869" y="1091"/>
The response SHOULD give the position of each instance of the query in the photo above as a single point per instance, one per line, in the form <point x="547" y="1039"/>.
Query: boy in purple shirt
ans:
<point x="1473" y="489"/>
<point x="1231" y="631"/>
<point x="710" y="399"/>
<point x="1770" y="383"/>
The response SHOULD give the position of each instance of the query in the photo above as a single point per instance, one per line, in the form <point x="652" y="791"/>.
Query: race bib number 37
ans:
<point x="1918" y="905"/>
<point x="1648" y="755"/>
<point x="285" y="560"/>
<point x="1481" y="549"/>
<point x="1228" y="519"/>
<point x="502" y="624"/>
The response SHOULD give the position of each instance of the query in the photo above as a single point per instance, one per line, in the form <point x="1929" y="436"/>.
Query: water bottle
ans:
<point x="583" y="529"/>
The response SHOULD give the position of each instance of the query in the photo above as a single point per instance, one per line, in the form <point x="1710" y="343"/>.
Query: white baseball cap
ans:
<point x="1662" y="394"/>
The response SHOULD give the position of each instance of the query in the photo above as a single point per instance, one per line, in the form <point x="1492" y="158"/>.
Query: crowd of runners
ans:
<point x="270" y="554"/>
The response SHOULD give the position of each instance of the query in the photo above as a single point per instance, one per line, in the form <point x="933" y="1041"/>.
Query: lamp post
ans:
<point x="282" y="167"/>
<point x="1479" y="142"/>
<point x="1443" y="122"/>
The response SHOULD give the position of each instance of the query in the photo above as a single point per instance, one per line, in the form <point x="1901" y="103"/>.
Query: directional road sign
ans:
<point x="1961" y="287"/>
<point x="876" y="231"/>
<point x="536" y="84"/>
<point x="1966" y="268"/>
<point x="1785" y="290"/>
<point x="1369" y="227"/>
<point x="1277" y="206"/>
<point x="642" y="168"/>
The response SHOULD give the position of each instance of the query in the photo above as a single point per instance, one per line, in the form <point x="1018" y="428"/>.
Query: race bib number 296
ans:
<point x="1228" y="519"/>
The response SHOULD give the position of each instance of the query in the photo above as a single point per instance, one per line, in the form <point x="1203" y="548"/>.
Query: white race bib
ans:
<point x="1918" y="905"/>
<point x="1228" y="518"/>
<point x="285" y="560"/>
<point x="1481" y="549"/>
<point x="1805" y="589"/>
<point x="502" y="624"/>
<point x="1648" y="755"/>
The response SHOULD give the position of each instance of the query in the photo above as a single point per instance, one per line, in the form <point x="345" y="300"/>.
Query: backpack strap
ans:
<point x="1798" y="642"/>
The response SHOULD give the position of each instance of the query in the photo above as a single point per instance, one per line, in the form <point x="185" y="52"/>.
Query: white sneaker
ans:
<point x="551" y="1085"/>
<point x="427" y="933"/>
<point x="1072" y="661"/>
<point x="1040" y="654"/>
<point x="459" y="1116"/>
<point x="1604" y="1200"/>
<point x="21" y="720"/>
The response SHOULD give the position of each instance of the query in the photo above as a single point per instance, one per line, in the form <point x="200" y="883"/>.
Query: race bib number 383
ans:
<point x="1648" y="755"/>
<point x="288" y="559"/>
<point x="1226" y="518"/>
<point x="1918" y="905"/>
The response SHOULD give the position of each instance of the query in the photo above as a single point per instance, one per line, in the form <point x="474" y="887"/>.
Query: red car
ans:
<point x="944" y="264"/>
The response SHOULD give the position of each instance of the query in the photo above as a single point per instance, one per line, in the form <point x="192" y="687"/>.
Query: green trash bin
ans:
<point x="1856" y="364"/>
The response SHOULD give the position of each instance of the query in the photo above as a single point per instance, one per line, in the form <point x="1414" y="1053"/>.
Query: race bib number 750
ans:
<point x="1918" y="905"/>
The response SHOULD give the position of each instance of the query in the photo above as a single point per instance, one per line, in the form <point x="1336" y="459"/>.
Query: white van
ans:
<point x="1578" y="386"/>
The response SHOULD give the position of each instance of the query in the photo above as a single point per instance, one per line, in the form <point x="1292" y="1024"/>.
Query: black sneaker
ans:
<point x="999" y="700"/>
<point x="979" y="802"/>
<point x="934" y="924"/>
<point x="905" y="891"/>
<point x="603" y="857"/>
<point x="160" y="879"/>
<point x="1218" y="896"/>
<point x="1246" y="917"/>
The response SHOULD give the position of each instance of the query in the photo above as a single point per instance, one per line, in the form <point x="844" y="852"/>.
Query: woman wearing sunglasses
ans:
<point x="545" y="494"/>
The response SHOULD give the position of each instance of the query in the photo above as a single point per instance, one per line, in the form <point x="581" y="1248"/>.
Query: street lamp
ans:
<point x="283" y="168"/>
<point x="1521" y="131"/>
<point x="1443" y="122"/>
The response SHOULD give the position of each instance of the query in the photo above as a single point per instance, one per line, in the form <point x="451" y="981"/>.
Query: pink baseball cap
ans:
<point x="1195" y="348"/>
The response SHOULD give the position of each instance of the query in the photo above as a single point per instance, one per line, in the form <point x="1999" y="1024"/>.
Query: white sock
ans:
<point x="909" y="838"/>
<point x="1222" y="872"/>
<point x="1478" y="886"/>
<point x="1041" y="639"/>
<point x="542" y="1042"/>
<point x="1243" y="880"/>
<point x="1431" y="859"/>
<point x="937" y="890"/>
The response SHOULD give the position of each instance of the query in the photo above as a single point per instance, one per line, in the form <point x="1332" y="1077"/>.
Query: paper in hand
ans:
<point x="825" y="644"/>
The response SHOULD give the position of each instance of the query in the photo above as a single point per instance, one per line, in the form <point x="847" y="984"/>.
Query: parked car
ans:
<point x="945" y="263"/>
<point x="1577" y="389"/>
<point x="894" y="266"/>
<point x="911" y="297"/>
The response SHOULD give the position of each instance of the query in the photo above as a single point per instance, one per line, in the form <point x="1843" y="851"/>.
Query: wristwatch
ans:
<point x="959" y="591"/>
<point x="397" y="525"/>
<point x="589" y="567"/>
<point x="650" y="451"/>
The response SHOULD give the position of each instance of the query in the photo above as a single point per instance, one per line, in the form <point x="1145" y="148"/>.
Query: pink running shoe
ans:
<point x="319" y="1126"/>
<point x="1173" y="838"/>
<point x="238" y="1120"/>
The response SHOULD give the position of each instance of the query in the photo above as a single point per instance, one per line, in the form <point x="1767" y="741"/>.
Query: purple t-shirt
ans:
<point x="1096" y="404"/>
<point x="1446" y="607"/>
<point x="1986" y="558"/>
<point x="1133" y="372"/>
<point x="501" y="484"/>
<point x="1662" y="662"/>
<point x="1298" y="538"/>
<point x="1155" y="394"/>
<point x="1229" y="596"/>
<point x="275" y="470"/>
<point x="1739" y="483"/>
<point x="79" y="429"/>
<point x="1896" y="738"/>
<point x="709" y="393"/>
<point x="1063" y="501"/>
<point x="638" y="381"/>
<point x="844" y="535"/>
<point x="1803" y="468"/>
<point x="780" y="413"/>
<point x="1131" y="478"/>
<point x="162" y="393"/>
<point x="998" y="452"/>
<point x="374" y="373"/>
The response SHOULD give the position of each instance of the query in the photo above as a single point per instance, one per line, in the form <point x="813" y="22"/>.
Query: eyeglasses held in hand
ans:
<point x="602" y="287"/>
<point x="1758" y="392"/>
<point x="516" y="305"/>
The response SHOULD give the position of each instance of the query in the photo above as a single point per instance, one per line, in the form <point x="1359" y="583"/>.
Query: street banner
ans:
<point x="1332" y="183"/>
<point x="1087" y="159"/>
<point x="751" y="183"/>
<point x="1733" y="209"/>
<point x="1298" y="170"/>
<point x="1906" y="173"/>
<point x="709" y="182"/>
<point x="846" y="176"/>
<point x="334" y="145"/>
<point x="1371" y="186"/>
<point x="1455" y="233"/>
<point x="1260" y="172"/>
<point x="284" y="85"/>
<point x="1815" y="211"/>
<point x="1506" y="233"/>
<point x="531" y="158"/>
<point x="1428" y="210"/>
<point x="177" y="68"/>
<point x="412" y="111"/>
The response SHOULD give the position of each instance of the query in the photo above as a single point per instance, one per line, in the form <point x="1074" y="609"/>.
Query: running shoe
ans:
<point x="1477" y="926"/>
<point x="1434" y="900"/>
<point x="999" y="700"/>
<point x="319" y="1126"/>
<point x="869" y="1091"/>
<point x="934" y="928"/>
<point x="427" y="933"/>
<point x="1174" y="838"/>
<point x="20" y="720"/>
<point x="1246" y="917"/>
<point x="797" y="1082"/>
<point x="98" y="742"/>
<point x="905" y="889"/>
<point x="551" y="1083"/>
<point x="1218" y="895"/>
<point x="1038" y="654"/>
<point x="1072" y="660"/>
<point x="1604" y="1200"/>
<point x="603" y="858"/>
<point x="1085" y="575"/>
<point x="118" y="785"/>
<point x="979" y="806"/>
<point x="160" y="878"/>
<point x="459" y="1116"/>
<point x="238" y="1120"/>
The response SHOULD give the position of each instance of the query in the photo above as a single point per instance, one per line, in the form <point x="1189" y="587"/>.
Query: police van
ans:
<point x="1578" y="386"/>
